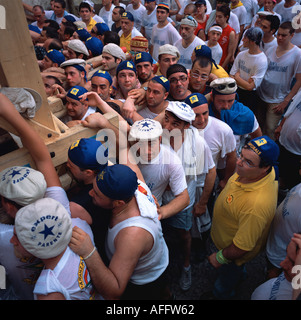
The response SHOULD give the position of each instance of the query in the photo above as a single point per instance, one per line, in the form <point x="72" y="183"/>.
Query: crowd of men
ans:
<point x="208" y="150"/>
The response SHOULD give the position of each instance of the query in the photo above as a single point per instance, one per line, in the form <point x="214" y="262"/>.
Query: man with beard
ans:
<point x="144" y="65"/>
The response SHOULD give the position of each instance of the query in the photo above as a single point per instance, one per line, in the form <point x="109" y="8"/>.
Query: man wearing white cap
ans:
<point x="43" y="229"/>
<point x="196" y="160"/>
<point x="112" y="55"/>
<point x="188" y="42"/>
<point x="20" y="186"/>
<point x="159" y="165"/>
<point x="168" y="55"/>
<point x="76" y="49"/>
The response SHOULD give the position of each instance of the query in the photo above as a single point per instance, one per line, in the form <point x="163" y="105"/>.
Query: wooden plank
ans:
<point x="19" y="67"/>
<point x="57" y="147"/>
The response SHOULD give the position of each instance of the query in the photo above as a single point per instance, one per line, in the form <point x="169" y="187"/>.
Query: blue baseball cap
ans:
<point x="143" y="57"/>
<point x="95" y="45"/>
<point x="88" y="154"/>
<point x="75" y="92"/>
<point x="127" y="15"/>
<point x="103" y="74"/>
<point x="55" y="56"/>
<point x="204" y="51"/>
<point x="126" y="65"/>
<point x="102" y="27"/>
<point x="83" y="34"/>
<point x="163" y="81"/>
<point x="117" y="182"/>
<point x="195" y="99"/>
<point x="266" y="149"/>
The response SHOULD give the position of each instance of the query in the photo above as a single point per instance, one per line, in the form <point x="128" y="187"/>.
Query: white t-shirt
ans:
<point x="219" y="137"/>
<point x="287" y="220"/>
<point x="166" y="169"/>
<point x="185" y="53"/>
<point x="250" y="66"/>
<point x="266" y="46"/>
<point x="290" y="135"/>
<point x="274" y="289"/>
<point x="161" y="36"/>
<point x="148" y="21"/>
<point x="285" y="13"/>
<point x="276" y="83"/>
<point x="241" y="14"/>
<point x="296" y="40"/>
<point x="98" y="19"/>
<point x="23" y="273"/>
<point x="146" y="113"/>
<point x="251" y="7"/>
<point x="107" y="15"/>
<point x="138" y="15"/>
<point x="196" y="159"/>
<point x="216" y="52"/>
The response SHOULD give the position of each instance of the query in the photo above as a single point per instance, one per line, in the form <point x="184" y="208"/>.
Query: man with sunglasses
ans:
<point x="225" y="107"/>
<point x="243" y="213"/>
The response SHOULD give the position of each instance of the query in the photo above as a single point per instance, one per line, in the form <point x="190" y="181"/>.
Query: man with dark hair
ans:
<point x="178" y="79"/>
<point x="85" y="13"/>
<point x="276" y="90"/>
<point x="269" y="26"/>
<point x="243" y="213"/>
<point x="199" y="75"/>
<point x="116" y="17"/>
<point x="67" y="28"/>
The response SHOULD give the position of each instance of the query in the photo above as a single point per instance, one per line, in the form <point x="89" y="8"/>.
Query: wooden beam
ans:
<point x="19" y="67"/>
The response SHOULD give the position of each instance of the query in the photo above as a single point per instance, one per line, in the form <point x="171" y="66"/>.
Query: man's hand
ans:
<point x="80" y="242"/>
<point x="95" y="120"/>
<point x="213" y="261"/>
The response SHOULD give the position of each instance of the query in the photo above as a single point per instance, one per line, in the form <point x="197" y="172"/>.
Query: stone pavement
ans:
<point x="203" y="275"/>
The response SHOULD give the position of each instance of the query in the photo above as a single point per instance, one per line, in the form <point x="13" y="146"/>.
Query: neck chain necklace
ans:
<point x="119" y="213"/>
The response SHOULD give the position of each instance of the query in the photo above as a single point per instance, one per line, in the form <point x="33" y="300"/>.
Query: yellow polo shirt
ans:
<point x="126" y="41"/>
<point x="91" y="24"/>
<point x="243" y="214"/>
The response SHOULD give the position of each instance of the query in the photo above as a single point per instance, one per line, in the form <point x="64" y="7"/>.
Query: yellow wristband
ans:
<point x="221" y="259"/>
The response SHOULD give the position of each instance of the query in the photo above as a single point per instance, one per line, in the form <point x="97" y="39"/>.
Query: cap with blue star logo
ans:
<point x="145" y="129"/>
<point x="22" y="185"/>
<point x="181" y="110"/>
<point x="44" y="228"/>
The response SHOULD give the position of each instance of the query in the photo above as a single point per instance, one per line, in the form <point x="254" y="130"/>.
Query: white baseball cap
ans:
<point x="114" y="50"/>
<point x="22" y="185"/>
<point x="145" y="129"/>
<point x="169" y="49"/>
<point x="182" y="110"/>
<point x="78" y="46"/>
<point x="44" y="228"/>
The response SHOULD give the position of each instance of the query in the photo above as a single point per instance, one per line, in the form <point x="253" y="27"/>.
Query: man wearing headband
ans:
<point x="247" y="207"/>
<point x="214" y="33"/>
<point x="177" y="76"/>
<point x="188" y="42"/>
<point x="225" y="107"/>
<point x="196" y="160"/>
<point x="163" y="32"/>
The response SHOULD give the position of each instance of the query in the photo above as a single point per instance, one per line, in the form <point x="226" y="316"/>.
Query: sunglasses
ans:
<point x="224" y="86"/>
